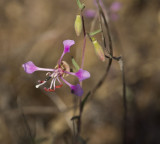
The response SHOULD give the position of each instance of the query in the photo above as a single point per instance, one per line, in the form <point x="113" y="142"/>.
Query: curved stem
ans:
<point x="71" y="73"/>
<point x="83" y="52"/>
<point x="66" y="82"/>
<point x="59" y="62"/>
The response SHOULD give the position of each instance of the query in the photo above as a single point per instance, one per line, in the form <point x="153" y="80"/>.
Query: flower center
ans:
<point x="58" y="73"/>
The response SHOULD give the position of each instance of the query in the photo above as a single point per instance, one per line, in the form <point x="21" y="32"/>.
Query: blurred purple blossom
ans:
<point x="115" y="6"/>
<point x="90" y="13"/>
<point x="112" y="11"/>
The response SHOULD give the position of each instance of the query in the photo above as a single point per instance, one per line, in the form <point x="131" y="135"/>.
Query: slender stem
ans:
<point x="80" y="117"/>
<point x="71" y="73"/>
<point x="110" y="47"/>
<point x="28" y="128"/>
<point x="82" y="64"/>
<point x="102" y="33"/>
<point x="59" y="62"/>
<point x="83" y="25"/>
<point x="104" y="9"/>
<point x="125" y="105"/>
<point x="108" y="33"/>
<point x="74" y="132"/>
<point x="91" y="92"/>
<point x="107" y="28"/>
<point x="66" y="82"/>
<point x="113" y="57"/>
<point x="83" y="51"/>
<point x="93" y="22"/>
<point x="26" y="124"/>
<point x="123" y="79"/>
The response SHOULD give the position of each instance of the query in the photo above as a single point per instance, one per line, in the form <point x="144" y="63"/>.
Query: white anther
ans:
<point x="37" y="86"/>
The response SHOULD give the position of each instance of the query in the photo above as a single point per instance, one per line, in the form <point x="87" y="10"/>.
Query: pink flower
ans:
<point x="59" y="72"/>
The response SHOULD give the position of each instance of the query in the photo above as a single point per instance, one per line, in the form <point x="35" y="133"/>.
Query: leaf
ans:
<point x="75" y="64"/>
<point x="81" y="6"/>
<point x="95" y="32"/>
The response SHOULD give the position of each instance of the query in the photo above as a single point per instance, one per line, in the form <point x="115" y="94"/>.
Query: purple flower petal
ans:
<point x="67" y="44"/>
<point x="90" y="13"/>
<point x="116" y="6"/>
<point x="82" y="74"/>
<point x="29" y="67"/>
<point x="77" y="90"/>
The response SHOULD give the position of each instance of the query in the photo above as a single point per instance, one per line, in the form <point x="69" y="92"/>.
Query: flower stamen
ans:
<point x="41" y="83"/>
<point x="61" y="70"/>
<point x="59" y="86"/>
<point x="49" y="90"/>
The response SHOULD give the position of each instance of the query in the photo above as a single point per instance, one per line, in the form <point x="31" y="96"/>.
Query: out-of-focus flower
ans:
<point x="61" y="70"/>
<point x="90" y="13"/>
<point x="112" y="11"/>
<point x="114" y="8"/>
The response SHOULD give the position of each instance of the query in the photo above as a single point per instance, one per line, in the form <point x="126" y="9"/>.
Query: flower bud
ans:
<point x="78" y="25"/>
<point x="98" y="49"/>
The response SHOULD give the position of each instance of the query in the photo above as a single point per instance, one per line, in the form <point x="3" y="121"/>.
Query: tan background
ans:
<point x="34" y="30"/>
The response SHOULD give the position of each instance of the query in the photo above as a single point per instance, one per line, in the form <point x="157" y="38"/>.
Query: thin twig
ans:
<point x="110" y="52"/>
<point x="83" y="51"/>
<point x="124" y="103"/>
<point x="102" y="33"/>
<point x="101" y="80"/>
<point x="83" y="25"/>
<point x="108" y="31"/>
<point x="93" y="22"/>
<point x="82" y="64"/>
<point x="26" y="123"/>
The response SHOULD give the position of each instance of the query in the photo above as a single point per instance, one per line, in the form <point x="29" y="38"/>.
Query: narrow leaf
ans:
<point x="95" y="32"/>
<point x="81" y="6"/>
<point x="75" y="64"/>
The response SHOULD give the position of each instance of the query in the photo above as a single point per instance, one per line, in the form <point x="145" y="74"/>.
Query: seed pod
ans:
<point x="78" y="25"/>
<point x="98" y="49"/>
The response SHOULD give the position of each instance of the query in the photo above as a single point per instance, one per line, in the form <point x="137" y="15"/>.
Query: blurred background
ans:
<point x="33" y="30"/>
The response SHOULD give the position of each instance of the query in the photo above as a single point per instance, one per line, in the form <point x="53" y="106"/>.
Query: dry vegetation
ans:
<point x="34" y="30"/>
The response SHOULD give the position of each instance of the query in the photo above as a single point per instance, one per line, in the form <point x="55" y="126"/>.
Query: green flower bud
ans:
<point x="98" y="49"/>
<point x="78" y="25"/>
